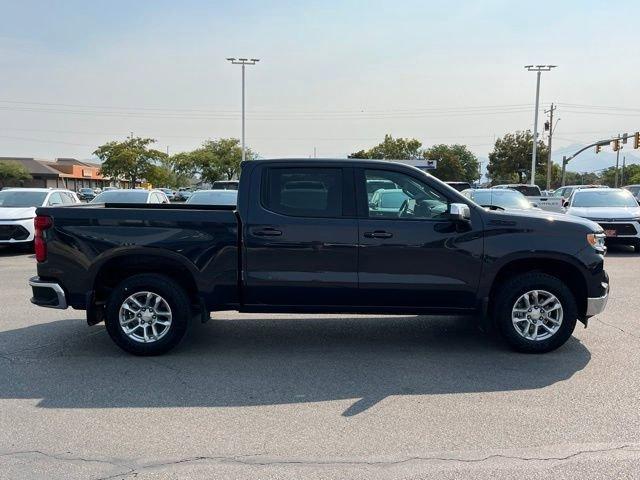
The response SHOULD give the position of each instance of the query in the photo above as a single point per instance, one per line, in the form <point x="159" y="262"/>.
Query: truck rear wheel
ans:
<point x="147" y="314"/>
<point x="535" y="312"/>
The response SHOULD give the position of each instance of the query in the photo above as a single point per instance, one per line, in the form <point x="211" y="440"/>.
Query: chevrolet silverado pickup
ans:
<point x="304" y="238"/>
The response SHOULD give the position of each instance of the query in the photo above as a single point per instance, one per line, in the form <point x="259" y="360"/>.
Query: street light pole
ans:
<point x="243" y="62"/>
<point x="538" y="69"/>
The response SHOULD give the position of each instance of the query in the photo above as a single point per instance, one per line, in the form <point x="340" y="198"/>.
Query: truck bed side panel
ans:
<point x="85" y="240"/>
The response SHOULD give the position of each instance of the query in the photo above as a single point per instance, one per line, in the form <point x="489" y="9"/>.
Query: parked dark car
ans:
<point x="225" y="185"/>
<point x="460" y="186"/>
<point x="146" y="270"/>
<point x="86" y="194"/>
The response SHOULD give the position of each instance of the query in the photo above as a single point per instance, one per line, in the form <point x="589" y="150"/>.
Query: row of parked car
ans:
<point x="616" y="210"/>
<point x="18" y="205"/>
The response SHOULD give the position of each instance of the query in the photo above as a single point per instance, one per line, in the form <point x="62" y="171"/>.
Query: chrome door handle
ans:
<point x="267" y="232"/>
<point x="378" y="234"/>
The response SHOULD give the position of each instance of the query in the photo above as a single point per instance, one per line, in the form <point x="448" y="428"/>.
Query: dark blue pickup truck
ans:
<point x="308" y="236"/>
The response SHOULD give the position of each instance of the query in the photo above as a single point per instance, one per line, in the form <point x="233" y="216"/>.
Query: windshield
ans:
<point x="225" y="197"/>
<point x="16" y="198"/>
<point x="122" y="196"/>
<point x="86" y="190"/>
<point x="611" y="198"/>
<point x="501" y="198"/>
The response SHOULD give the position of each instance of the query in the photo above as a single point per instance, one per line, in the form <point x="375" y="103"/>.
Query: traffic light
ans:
<point x="636" y="140"/>
<point x="598" y="148"/>
<point x="616" y="145"/>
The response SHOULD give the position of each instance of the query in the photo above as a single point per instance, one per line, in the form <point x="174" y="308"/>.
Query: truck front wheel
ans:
<point x="535" y="312"/>
<point x="147" y="314"/>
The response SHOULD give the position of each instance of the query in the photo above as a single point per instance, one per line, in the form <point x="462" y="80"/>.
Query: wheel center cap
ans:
<point x="535" y="315"/>
<point x="147" y="316"/>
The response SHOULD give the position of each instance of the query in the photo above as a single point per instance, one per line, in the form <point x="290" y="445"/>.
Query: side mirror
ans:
<point x="565" y="204"/>
<point x="459" y="212"/>
<point x="372" y="205"/>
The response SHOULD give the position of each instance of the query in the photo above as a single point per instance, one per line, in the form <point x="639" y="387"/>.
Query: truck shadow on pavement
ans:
<point x="267" y="361"/>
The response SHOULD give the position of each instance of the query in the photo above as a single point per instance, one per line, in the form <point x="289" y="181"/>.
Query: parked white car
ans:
<point x="535" y="196"/>
<point x="615" y="209"/>
<point x="214" y="197"/>
<point x="18" y="209"/>
<point x="131" y="196"/>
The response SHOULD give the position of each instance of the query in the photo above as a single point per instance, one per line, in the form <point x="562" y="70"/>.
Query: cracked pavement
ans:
<point x="317" y="396"/>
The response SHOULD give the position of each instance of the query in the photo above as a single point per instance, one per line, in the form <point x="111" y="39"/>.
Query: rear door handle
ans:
<point x="267" y="232"/>
<point x="378" y="234"/>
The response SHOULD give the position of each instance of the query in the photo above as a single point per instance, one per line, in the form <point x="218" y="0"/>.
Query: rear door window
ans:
<point x="303" y="192"/>
<point x="55" y="199"/>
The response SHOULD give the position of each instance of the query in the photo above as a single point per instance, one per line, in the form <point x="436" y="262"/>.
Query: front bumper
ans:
<point x="47" y="294"/>
<point x="596" y="305"/>
<point x="16" y="231"/>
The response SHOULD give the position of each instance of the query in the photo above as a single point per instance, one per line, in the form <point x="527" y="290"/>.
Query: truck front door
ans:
<point x="300" y="239"/>
<point x="411" y="253"/>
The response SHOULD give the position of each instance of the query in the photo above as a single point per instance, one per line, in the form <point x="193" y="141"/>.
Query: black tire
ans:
<point x="508" y="294"/>
<point x="170" y="291"/>
<point x="636" y="248"/>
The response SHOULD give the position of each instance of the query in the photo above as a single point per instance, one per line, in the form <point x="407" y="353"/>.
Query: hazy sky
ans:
<point x="335" y="75"/>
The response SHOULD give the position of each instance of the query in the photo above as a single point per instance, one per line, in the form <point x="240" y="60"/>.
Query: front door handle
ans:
<point x="267" y="232"/>
<point x="378" y="234"/>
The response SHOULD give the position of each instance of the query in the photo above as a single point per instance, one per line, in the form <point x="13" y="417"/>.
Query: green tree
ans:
<point x="227" y="155"/>
<point x="631" y="172"/>
<point x="455" y="162"/>
<point x="392" y="148"/>
<point x="214" y="160"/>
<point x="510" y="160"/>
<point x="130" y="160"/>
<point x="12" y="172"/>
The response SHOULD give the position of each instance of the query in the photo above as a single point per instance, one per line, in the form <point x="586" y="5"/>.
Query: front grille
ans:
<point x="620" y="228"/>
<point x="15" y="232"/>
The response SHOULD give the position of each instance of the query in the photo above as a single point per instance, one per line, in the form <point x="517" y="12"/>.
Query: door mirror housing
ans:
<point x="459" y="212"/>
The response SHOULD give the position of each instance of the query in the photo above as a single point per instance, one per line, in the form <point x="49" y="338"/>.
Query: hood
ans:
<point x="13" y="213"/>
<point x="606" y="213"/>
<point x="550" y="218"/>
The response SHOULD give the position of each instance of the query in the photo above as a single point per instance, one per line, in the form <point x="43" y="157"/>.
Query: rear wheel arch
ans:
<point x="116" y="269"/>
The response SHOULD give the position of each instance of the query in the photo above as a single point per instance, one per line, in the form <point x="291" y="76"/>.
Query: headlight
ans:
<point x="596" y="240"/>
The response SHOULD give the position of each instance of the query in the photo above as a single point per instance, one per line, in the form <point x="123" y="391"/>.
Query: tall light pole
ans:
<point x="243" y="62"/>
<point x="538" y="69"/>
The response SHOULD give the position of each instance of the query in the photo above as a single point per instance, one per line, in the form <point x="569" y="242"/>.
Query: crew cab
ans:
<point x="305" y="238"/>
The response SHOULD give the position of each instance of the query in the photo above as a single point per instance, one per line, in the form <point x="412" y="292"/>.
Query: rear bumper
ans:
<point x="47" y="294"/>
<point x="596" y="305"/>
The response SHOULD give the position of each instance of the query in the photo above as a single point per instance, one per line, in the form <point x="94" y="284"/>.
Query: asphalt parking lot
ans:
<point x="284" y="396"/>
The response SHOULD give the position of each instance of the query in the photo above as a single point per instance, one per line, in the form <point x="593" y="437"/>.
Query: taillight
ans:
<point x="41" y="223"/>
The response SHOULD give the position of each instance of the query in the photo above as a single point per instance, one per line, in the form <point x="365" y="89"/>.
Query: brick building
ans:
<point x="62" y="173"/>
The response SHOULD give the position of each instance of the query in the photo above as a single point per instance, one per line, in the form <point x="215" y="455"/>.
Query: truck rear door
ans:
<point x="300" y="236"/>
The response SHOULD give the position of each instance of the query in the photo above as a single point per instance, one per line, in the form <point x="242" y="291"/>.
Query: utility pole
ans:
<point x="617" y="160"/>
<point x="624" y="158"/>
<point x="551" y="128"/>
<point x="243" y="62"/>
<point x="314" y="152"/>
<point x="538" y="69"/>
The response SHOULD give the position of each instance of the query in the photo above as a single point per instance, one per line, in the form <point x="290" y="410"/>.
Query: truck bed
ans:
<point x="203" y="240"/>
